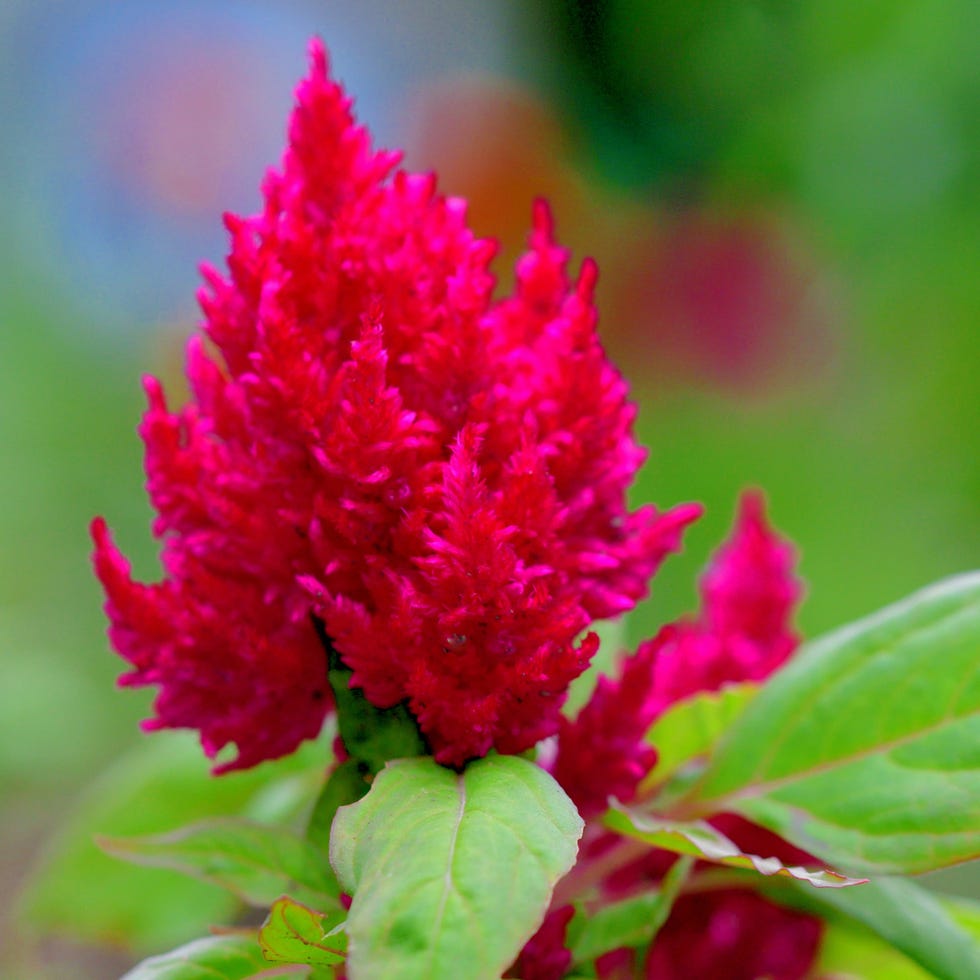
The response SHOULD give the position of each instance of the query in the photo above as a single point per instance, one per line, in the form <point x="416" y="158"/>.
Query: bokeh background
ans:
<point x="783" y="199"/>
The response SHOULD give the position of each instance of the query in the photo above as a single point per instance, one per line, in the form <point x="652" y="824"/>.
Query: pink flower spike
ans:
<point x="602" y="753"/>
<point x="734" y="933"/>
<point x="744" y="631"/>
<point x="378" y="449"/>
<point x="742" y="634"/>
<point x="545" y="955"/>
<point x="749" y="588"/>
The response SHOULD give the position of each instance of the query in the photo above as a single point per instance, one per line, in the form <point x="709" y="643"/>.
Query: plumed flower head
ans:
<point x="377" y="451"/>
<point x="733" y="933"/>
<point x="742" y="633"/>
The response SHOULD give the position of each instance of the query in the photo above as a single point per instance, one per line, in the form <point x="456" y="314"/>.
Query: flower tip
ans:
<point x="541" y="219"/>
<point x="154" y="392"/>
<point x="319" y="61"/>
<point x="99" y="531"/>
<point x="589" y="647"/>
<point x="688" y="513"/>
<point x="232" y="222"/>
<point x="752" y="506"/>
<point x="312" y="586"/>
<point x="587" y="278"/>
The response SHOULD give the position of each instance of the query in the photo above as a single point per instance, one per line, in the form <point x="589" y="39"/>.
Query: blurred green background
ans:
<point x="783" y="199"/>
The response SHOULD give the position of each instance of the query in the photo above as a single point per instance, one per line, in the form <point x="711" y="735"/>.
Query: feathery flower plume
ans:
<point x="743" y="633"/>
<point x="378" y="452"/>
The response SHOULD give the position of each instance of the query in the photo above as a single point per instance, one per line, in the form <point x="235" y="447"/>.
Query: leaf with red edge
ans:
<point x="295" y="933"/>
<point x="229" y="957"/>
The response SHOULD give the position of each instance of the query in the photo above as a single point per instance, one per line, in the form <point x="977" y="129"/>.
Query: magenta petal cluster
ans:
<point x="545" y="956"/>
<point x="378" y="449"/>
<point x="733" y="933"/>
<point x="603" y="753"/>
<point x="743" y="633"/>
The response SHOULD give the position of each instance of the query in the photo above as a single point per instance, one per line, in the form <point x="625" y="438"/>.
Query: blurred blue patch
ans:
<point x="131" y="127"/>
<point x="137" y="125"/>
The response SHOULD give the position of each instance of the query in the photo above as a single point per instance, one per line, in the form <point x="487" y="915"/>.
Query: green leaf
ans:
<point x="294" y="933"/>
<point x="255" y="862"/>
<point x="965" y="912"/>
<point x="632" y="922"/>
<point x="232" y="957"/>
<point x="699" y="839"/>
<point x="692" y="728"/>
<point x="865" y="749"/>
<point x="850" y="950"/>
<point x="162" y="783"/>
<point x="624" y="923"/>
<point x="451" y="872"/>
<point x="908" y="917"/>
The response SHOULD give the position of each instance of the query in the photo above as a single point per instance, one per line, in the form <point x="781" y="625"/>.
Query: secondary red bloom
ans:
<point x="603" y="752"/>
<point x="742" y="634"/>
<point x="438" y="478"/>
<point x="545" y="956"/>
<point x="734" y="934"/>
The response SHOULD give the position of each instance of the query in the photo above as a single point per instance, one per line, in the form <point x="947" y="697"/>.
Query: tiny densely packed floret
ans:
<point x="378" y="452"/>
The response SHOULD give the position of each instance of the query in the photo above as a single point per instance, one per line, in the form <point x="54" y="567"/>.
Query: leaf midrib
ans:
<point x="752" y="789"/>
<point x="449" y="885"/>
<point x="765" y="788"/>
<point x="858" y="664"/>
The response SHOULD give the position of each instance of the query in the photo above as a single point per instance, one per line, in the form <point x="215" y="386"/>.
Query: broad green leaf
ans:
<point x="865" y="749"/>
<point x="294" y="933"/>
<point x="965" y="912"/>
<point x="162" y="783"/>
<point x="850" y="951"/>
<point x="692" y="728"/>
<point x="232" y="957"/>
<point x="451" y="872"/>
<point x="371" y="735"/>
<point x="699" y="839"/>
<point x="253" y="861"/>
<point x="910" y="918"/>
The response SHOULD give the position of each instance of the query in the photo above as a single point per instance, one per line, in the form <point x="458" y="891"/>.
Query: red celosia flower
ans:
<point x="733" y="934"/>
<point x="602" y="753"/>
<point x="545" y="955"/>
<point x="437" y="478"/>
<point x="743" y="633"/>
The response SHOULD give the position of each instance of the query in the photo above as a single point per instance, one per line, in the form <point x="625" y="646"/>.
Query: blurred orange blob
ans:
<point x="730" y="301"/>
<point x="500" y="147"/>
